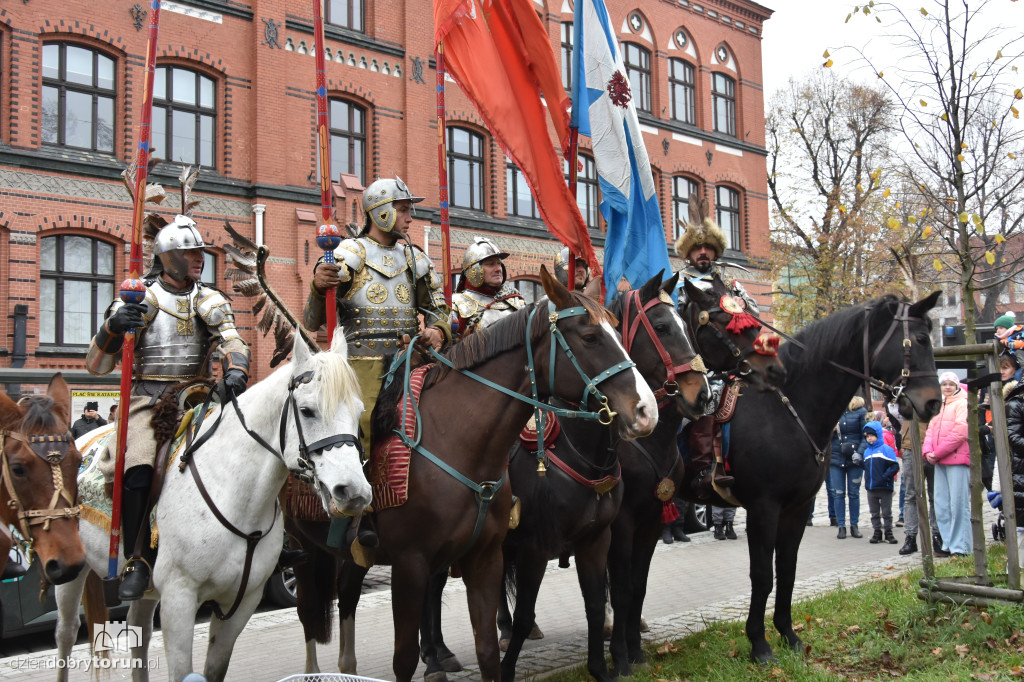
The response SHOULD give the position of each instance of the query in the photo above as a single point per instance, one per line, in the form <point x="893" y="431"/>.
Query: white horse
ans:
<point x="200" y="559"/>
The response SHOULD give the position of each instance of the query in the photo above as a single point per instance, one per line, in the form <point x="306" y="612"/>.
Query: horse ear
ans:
<point x="339" y="344"/>
<point x="10" y="413"/>
<point x="60" y="393"/>
<point x="695" y="293"/>
<point x="301" y="354"/>
<point x="650" y="288"/>
<point x="921" y="308"/>
<point x="556" y="291"/>
<point x="669" y="285"/>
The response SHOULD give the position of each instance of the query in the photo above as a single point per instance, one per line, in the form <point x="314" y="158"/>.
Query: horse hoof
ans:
<point x="503" y="644"/>
<point x="535" y="633"/>
<point x="450" y="664"/>
<point x="643" y="625"/>
<point x="438" y="676"/>
<point x="763" y="657"/>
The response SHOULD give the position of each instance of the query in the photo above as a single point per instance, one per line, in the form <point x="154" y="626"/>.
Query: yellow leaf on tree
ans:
<point x="924" y="12"/>
<point x="980" y="228"/>
<point x="825" y="55"/>
<point x="828" y="64"/>
<point x="963" y="145"/>
<point x="848" y="17"/>
<point x="1000" y="239"/>
<point x="927" y="232"/>
<point x="964" y="217"/>
<point x="960" y="157"/>
<point x="937" y="264"/>
<point x="911" y="219"/>
<point x="1013" y="110"/>
<point x="1017" y="94"/>
<point x="999" y="54"/>
<point x="1011" y="155"/>
<point x="945" y="116"/>
<point x="898" y="204"/>
<point x="976" y="218"/>
<point x="990" y="257"/>
<point x="923" y="103"/>
<point x="842" y="208"/>
<point x="886" y="193"/>
<point x="880" y="74"/>
<point x="893" y="223"/>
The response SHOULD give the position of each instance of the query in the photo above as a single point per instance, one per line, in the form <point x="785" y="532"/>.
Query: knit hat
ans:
<point x="1006" y="321"/>
<point x="949" y="376"/>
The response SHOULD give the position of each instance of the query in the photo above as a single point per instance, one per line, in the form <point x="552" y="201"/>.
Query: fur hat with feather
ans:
<point x="699" y="229"/>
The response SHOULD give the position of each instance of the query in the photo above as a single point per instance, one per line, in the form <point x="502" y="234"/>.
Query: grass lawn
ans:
<point x="877" y="631"/>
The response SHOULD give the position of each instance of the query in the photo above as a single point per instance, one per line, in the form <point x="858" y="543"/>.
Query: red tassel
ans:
<point x="741" y="321"/>
<point x="669" y="512"/>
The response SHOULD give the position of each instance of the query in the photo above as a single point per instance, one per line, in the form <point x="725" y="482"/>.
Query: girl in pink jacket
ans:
<point x="945" y="446"/>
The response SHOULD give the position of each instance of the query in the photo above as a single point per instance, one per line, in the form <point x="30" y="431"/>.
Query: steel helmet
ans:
<point x="480" y="250"/>
<point x="181" y="234"/>
<point x="379" y="198"/>
<point x="562" y="266"/>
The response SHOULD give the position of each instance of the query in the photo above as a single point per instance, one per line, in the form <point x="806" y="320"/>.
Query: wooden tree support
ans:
<point x="985" y="591"/>
<point x="937" y="597"/>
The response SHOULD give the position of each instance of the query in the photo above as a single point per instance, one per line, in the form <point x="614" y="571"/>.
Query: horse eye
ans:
<point x="19" y="470"/>
<point x="306" y="412"/>
<point x="590" y="339"/>
<point x="923" y="338"/>
<point x="661" y="328"/>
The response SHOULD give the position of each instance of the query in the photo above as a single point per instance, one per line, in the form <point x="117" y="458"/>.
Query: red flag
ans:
<point x="500" y="55"/>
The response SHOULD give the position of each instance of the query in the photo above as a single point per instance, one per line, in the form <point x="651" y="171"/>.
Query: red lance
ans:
<point x="133" y="289"/>
<point x="327" y="235"/>
<point x="442" y="177"/>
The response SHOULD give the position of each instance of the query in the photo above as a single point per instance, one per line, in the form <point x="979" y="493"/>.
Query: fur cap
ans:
<point x="699" y="229"/>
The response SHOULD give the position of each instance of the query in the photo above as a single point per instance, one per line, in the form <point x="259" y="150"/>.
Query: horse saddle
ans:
<point x="528" y="436"/>
<point x="727" y="403"/>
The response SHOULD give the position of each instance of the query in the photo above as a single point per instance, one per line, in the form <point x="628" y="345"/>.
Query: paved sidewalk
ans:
<point x="691" y="585"/>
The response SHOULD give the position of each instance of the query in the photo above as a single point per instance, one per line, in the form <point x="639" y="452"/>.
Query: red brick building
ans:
<point x="234" y="92"/>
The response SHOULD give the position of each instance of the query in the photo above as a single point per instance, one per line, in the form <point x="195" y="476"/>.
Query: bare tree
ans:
<point x="828" y="141"/>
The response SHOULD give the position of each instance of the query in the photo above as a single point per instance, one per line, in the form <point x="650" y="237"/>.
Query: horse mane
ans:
<point x="338" y="380"/>
<point x="38" y="416"/>
<point x="838" y="330"/>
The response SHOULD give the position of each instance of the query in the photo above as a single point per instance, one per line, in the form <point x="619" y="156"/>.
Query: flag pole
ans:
<point x="442" y="176"/>
<point x="133" y="289"/>
<point x="327" y="234"/>
<point x="574" y="156"/>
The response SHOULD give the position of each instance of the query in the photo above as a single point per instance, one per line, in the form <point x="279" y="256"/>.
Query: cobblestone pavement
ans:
<point x="691" y="585"/>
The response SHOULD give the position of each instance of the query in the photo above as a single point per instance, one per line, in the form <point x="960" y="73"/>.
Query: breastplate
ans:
<point x="488" y="315"/>
<point x="174" y="344"/>
<point x="382" y="300"/>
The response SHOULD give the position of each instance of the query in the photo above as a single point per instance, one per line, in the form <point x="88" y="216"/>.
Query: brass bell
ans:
<point x="542" y="470"/>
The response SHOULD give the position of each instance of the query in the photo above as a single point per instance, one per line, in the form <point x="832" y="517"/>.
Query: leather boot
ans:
<point x="909" y="546"/>
<point x="877" y="537"/>
<point x="679" y="534"/>
<point x="842" y="533"/>
<point x="729" y="532"/>
<point x="719" y="532"/>
<point x="889" y="537"/>
<point x="702" y="456"/>
<point x="666" y="535"/>
<point x="855" y="532"/>
<point x="136" y="532"/>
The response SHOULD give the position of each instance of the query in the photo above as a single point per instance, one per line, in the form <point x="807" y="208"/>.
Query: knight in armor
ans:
<point x="383" y="283"/>
<point x="562" y="270"/>
<point x="175" y="327"/>
<point x="702" y="244"/>
<point x="484" y="294"/>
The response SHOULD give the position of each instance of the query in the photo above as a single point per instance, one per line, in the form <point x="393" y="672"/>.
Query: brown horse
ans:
<point x="470" y="429"/>
<point x="39" y="469"/>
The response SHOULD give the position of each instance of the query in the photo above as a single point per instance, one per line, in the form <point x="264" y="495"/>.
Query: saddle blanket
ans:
<point x="300" y="501"/>
<point x="528" y="436"/>
<point x="389" y="465"/>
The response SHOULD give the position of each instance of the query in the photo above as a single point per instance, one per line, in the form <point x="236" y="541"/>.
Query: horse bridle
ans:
<point x="631" y="328"/>
<point x="52" y="449"/>
<point x="762" y="345"/>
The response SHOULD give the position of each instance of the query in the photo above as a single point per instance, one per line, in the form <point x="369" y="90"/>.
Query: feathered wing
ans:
<point x="188" y="179"/>
<point x="245" y="282"/>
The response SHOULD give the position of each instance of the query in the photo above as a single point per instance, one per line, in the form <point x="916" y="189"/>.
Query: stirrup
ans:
<point x="129" y="571"/>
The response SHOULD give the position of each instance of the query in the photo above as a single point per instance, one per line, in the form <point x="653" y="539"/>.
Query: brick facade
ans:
<point x="259" y="58"/>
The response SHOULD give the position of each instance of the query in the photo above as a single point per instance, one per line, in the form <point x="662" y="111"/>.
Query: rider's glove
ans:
<point x="233" y="384"/>
<point x="128" y="316"/>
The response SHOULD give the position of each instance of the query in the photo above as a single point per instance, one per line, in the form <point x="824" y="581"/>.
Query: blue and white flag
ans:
<point x="603" y="108"/>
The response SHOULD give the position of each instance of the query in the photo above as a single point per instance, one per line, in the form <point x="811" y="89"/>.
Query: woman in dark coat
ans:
<point x="1014" y="395"/>
<point x="847" y="469"/>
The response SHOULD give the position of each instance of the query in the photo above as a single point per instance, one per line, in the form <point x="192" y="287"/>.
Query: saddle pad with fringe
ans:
<point x="528" y="436"/>
<point x="300" y="501"/>
<point x="727" y="405"/>
<point x="389" y="465"/>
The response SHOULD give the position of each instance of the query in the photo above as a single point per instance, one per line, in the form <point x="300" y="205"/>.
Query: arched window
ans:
<point x="638" y="67"/>
<point x="520" y="198"/>
<point x="348" y="139"/>
<point x="76" y="284"/>
<point x="184" y="116"/>
<point x="727" y="208"/>
<point x="465" y="168"/>
<point x="567" y="37"/>
<point x="78" y="97"/>
<point x="683" y="189"/>
<point x="588" y="195"/>
<point x="531" y="290"/>
<point x="723" y="103"/>
<point x="347" y="13"/>
<point x="682" y="92"/>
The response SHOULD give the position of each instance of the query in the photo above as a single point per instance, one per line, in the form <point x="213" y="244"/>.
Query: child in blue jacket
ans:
<point x="880" y="469"/>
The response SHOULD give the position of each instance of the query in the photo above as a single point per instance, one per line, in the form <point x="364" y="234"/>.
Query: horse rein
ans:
<point x="306" y="471"/>
<point x="52" y="449"/>
<point x="629" y="331"/>
<point x="764" y="344"/>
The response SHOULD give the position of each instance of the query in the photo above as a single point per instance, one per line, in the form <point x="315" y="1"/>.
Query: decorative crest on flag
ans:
<point x="618" y="90"/>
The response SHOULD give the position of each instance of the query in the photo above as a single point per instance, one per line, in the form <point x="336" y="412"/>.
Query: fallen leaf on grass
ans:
<point x="890" y="568"/>
<point x="798" y="627"/>
<point x="853" y="629"/>
<point x="1016" y="671"/>
<point x="991" y="643"/>
<point x="807" y="650"/>
<point x="982" y="676"/>
<point x="886" y="659"/>
<point x="937" y="651"/>
<point x="876" y="575"/>
<point x="668" y="648"/>
<point x="985" y="617"/>
<point x="961" y="650"/>
<point x="703" y="645"/>
<point x="968" y="626"/>
<point x="731" y="654"/>
<point x="889" y="627"/>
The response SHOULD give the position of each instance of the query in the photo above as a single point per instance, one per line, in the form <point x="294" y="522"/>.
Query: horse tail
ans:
<point x="95" y="610"/>
<point x="315" y="609"/>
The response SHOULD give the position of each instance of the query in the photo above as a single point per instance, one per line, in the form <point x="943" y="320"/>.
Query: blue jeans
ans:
<point x="846" y="483"/>
<point x="953" y="507"/>
<point x="831" y="498"/>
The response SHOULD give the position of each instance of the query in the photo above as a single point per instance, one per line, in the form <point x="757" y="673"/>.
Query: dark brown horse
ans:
<point x="39" y="471"/>
<point x="573" y="505"/>
<point x="470" y="428"/>
<point x="653" y="463"/>
<point x="779" y="456"/>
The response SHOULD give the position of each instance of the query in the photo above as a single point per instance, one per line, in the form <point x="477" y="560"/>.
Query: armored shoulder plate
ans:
<point x="213" y="306"/>
<point x="352" y="253"/>
<point x="464" y="304"/>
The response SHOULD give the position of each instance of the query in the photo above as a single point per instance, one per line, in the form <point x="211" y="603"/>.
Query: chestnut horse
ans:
<point x="39" y="467"/>
<point x="466" y="432"/>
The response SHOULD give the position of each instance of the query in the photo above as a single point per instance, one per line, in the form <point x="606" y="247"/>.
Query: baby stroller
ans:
<point x="995" y="498"/>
